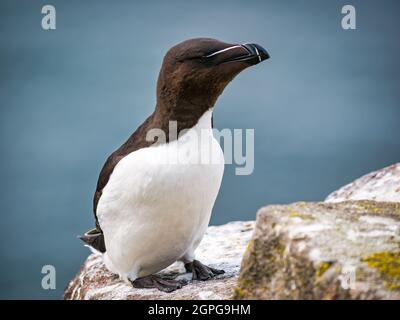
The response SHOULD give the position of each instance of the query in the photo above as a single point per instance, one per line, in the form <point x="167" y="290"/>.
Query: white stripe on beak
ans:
<point x="258" y="54"/>
<point x="223" y="50"/>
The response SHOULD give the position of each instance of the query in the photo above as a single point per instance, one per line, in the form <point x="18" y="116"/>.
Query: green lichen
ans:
<point x="242" y="290"/>
<point x="261" y="261"/>
<point x="389" y="209"/>
<point x="388" y="265"/>
<point x="296" y="214"/>
<point x="322" y="268"/>
<point x="249" y="246"/>
<point x="238" y="293"/>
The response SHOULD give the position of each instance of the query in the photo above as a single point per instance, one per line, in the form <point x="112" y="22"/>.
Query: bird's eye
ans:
<point x="202" y="59"/>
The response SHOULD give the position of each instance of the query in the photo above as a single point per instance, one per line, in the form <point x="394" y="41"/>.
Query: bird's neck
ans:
<point x="186" y="115"/>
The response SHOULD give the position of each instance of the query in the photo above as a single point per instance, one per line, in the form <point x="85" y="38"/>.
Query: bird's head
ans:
<point x="195" y="72"/>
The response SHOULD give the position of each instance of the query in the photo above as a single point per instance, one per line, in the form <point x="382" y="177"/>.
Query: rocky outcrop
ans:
<point x="347" y="247"/>
<point x="347" y="250"/>
<point x="381" y="185"/>
<point x="222" y="247"/>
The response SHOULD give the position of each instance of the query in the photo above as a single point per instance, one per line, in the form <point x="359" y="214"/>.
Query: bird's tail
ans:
<point x="94" y="238"/>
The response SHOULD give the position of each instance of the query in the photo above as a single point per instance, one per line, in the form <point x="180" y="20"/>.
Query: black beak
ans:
<point x="249" y="52"/>
<point x="256" y="53"/>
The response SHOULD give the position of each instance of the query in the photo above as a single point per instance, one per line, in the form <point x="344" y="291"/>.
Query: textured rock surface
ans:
<point x="222" y="247"/>
<point x="331" y="250"/>
<point x="347" y="250"/>
<point x="380" y="185"/>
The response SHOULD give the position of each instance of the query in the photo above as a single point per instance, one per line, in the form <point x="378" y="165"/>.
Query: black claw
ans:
<point x="217" y="271"/>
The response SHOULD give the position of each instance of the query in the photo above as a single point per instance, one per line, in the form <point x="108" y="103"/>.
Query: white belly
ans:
<point x="152" y="211"/>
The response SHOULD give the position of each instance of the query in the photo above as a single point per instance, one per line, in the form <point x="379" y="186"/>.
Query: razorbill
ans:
<point x="151" y="211"/>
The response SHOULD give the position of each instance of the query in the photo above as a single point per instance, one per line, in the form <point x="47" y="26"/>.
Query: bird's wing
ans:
<point x="136" y="141"/>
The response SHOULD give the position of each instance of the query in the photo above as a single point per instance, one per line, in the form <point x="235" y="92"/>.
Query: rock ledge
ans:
<point x="347" y="250"/>
<point x="222" y="247"/>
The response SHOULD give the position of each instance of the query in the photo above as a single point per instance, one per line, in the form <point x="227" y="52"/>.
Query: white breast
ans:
<point x="152" y="211"/>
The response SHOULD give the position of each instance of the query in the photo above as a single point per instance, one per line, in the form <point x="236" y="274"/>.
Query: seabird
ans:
<point x="151" y="211"/>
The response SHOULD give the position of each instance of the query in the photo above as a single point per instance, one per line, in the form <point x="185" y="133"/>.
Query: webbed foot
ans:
<point x="201" y="271"/>
<point x="155" y="281"/>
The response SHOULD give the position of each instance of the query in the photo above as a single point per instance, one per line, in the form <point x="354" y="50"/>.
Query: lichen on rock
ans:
<point x="388" y="265"/>
<point x="332" y="254"/>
